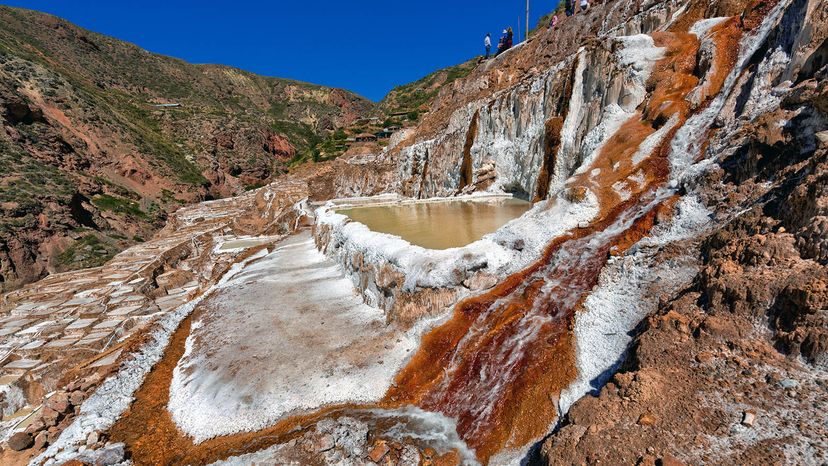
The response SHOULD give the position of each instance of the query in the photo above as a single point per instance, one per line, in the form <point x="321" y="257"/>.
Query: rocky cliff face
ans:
<point x="100" y="140"/>
<point x="741" y="350"/>
<point x="510" y="112"/>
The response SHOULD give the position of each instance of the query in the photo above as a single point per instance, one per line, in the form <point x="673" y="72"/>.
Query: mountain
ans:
<point x="100" y="140"/>
<point x="402" y="107"/>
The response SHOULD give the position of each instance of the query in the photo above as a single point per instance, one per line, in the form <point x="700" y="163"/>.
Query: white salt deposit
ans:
<point x="13" y="398"/>
<point x="702" y="27"/>
<point x="301" y="338"/>
<point x="438" y="268"/>
<point x="101" y="410"/>
<point x="407" y="424"/>
<point x="637" y="57"/>
<point x="689" y="139"/>
<point x="616" y="305"/>
<point x="614" y="308"/>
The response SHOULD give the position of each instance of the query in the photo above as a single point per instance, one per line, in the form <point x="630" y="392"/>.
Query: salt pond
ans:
<point x="286" y="334"/>
<point x="439" y="225"/>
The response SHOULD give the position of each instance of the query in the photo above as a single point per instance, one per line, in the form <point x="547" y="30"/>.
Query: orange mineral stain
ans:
<point x="499" y="364"/>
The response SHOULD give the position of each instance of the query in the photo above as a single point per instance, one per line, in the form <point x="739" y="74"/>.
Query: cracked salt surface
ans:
<point x="101" y="410"/>
<point x="301" y="338"/>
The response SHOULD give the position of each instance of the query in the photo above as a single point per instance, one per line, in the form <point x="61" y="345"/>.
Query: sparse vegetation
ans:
<point x="410" y="97"/>
<point x="119" y="205"/>
<point x="88" y="251"/>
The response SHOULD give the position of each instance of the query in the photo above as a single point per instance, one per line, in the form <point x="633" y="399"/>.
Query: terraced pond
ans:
<point x="440" y="225"/>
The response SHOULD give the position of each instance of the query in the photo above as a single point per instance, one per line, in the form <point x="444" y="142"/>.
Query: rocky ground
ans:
<point x="79" y="327"/>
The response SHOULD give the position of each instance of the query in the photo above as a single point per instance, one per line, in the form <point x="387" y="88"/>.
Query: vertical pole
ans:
<point x="518" y="25"/>
<point x="526" y="34"/>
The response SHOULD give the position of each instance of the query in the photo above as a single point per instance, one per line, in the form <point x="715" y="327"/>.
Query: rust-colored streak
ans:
<point x="152" y="437"/>
<point x="498" y="365"/>
<point x="552" y="137"/>
<point x="551" y="141"/>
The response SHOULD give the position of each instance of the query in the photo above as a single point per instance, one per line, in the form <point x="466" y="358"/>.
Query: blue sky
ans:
<point x="367" y="46"/>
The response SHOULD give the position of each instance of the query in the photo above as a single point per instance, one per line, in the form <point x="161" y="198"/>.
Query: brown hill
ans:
<point x="100" y="140"/>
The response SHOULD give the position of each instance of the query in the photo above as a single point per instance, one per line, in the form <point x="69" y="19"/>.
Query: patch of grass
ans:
<point x="251" y="187"/>
<point x="168" y="197"/>
<point x="117" y="188"/>
<point x="303" y="138"/>
<point x="119" y="205"/>
<point x="333" y="145"/>
<point x="27" y="185"/>
<point x="411" y="96"/>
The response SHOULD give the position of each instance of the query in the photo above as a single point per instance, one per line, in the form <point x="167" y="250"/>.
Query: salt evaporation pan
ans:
<point x="301" y="338"/>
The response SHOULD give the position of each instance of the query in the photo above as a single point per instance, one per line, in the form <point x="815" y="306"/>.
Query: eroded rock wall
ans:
<point x="742" y="349"/>
<point x="520" y="129"/>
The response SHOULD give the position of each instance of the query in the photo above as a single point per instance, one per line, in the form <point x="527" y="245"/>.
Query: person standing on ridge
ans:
<point x="488" y="43"/>
<point x="570" y="7"/>
<point x="501" y="44"/>
<point x="553" y="22"/>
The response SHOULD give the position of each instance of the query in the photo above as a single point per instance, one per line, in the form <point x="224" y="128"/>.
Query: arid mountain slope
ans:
<point x="418" y="96"/>
<point x="100" y="139"/>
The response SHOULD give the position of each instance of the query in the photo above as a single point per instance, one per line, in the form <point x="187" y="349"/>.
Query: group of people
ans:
<point x="505" y="43"/>
<point x="569" y="6"/>
<point x="507" y="38"/>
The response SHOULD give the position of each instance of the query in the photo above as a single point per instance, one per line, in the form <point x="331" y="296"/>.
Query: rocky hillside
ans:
<point x="416" y="97"/>
<point x="100" y="140"/>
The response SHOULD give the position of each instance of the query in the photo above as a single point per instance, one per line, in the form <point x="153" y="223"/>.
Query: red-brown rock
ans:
<point x="20" y="441"/>
<point x="378" y="452"/>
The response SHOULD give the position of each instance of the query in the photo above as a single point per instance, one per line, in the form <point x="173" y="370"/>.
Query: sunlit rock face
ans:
<point x="534" y="127"/>
<point x="514" y="127"/>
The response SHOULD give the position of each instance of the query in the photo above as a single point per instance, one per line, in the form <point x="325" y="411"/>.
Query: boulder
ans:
<point x="41" y="441"/>
<point x="647" y="419"/>
<point x="480" y="281"/>
<point x="59" y="402"/>
<point x="76" y="397"/>
<point x="323" y="443"/>
<point x="20" y="441"/>
<point x="36" y="426"/>
<point x="49" y="416"/>
<point x="669" y="460"/>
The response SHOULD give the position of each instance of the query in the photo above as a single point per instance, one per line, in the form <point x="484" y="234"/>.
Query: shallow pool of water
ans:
<point x="439" y="225"/>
